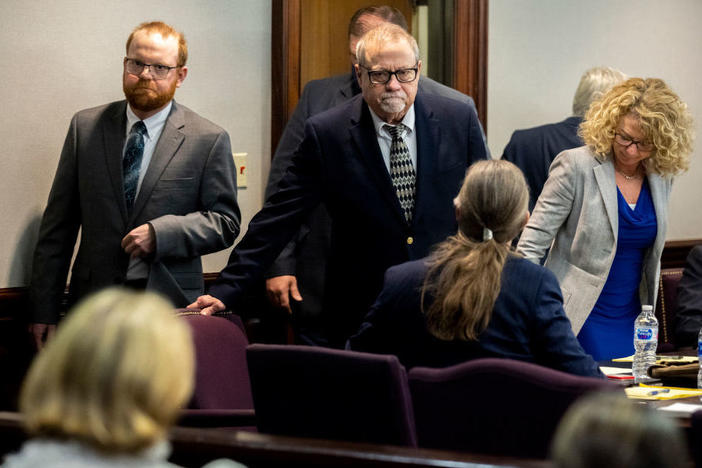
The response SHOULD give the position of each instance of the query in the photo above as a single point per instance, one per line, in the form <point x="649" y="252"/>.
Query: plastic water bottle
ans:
<point x="645" y="343"/>
<point x="699" y="359"/>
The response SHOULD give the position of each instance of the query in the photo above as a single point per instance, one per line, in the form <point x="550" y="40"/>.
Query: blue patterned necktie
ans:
<point x="131" y="164"/>
<point x="402" y="172"/>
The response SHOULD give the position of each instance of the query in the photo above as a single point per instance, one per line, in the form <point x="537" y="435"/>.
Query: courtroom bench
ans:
<point x="193" y="447"/>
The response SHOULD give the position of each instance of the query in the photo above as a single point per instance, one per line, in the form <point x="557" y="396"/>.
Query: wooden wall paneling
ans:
<point x="675" y="252"/>
<point x="318" y="41"/>
<point x="285" y="64"/>
<point x="470" y="52"/>
<point x="309" y="41"/>
<point x="324" y="35"/>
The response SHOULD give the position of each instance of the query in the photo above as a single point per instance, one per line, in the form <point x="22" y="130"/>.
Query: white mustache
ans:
<point x="394" y="95"/>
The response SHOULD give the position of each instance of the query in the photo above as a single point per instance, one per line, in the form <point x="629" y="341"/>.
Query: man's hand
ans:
<point x="41" y="333"/>
<point x="140" y="241"/>
<point x="280" y="289"/>
<point x="208" y="305"/>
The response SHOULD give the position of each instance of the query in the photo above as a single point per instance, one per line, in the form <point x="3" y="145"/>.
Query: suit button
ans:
<point x="410" y="240"/>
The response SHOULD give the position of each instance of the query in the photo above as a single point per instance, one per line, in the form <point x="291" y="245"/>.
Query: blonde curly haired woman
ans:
<point x="603" y="211"/>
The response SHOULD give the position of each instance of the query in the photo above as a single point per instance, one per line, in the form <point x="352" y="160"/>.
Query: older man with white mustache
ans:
<point x="386" y="164"/>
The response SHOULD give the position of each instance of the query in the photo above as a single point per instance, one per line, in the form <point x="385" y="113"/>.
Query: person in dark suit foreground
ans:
<point x="296" y="280"/>
<point x="534" y="149"/>
<point x="688" y="317"/>
<point x="385" y="164"/>
<point x="474" y="297"/>
<point x="150" y="184"/>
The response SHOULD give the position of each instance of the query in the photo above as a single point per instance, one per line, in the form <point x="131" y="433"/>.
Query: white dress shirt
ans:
<point x="138" y="268"/>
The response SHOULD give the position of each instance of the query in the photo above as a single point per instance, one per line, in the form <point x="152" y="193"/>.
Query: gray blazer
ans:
<point x="188" y="195"/>
<point x="577" y="211"/>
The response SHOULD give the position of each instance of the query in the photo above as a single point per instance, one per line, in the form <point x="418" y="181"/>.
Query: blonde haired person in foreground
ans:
<point x="473" y="297"/>
<point x="108" y="386"/>
<point x="604" y="207"/>
<point x="604" y="430"/>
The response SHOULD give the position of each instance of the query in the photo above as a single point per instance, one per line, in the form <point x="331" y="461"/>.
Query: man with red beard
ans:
<point x="386" y="164"/>
<point x="150" y="184"/>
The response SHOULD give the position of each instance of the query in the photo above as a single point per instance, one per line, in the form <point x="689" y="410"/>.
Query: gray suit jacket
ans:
<point x="306" y="255"/>
<point x="577" y="210"/>
<point x="188" y="195"/>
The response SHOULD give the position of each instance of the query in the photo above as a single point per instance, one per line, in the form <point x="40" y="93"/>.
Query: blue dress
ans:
<point x="608" y="331"/>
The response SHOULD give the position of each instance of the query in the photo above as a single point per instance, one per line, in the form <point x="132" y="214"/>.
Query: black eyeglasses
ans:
<point x="626" y="142"/>
<point x="403" y="75"/>
<point x="157" y="71"/>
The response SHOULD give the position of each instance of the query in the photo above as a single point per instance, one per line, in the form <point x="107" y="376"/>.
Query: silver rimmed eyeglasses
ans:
<point x="157" y="71"/>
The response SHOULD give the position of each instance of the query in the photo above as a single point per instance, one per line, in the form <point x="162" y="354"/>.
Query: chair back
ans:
<point x="221" y="373"/>
<point x="331" y="394"/>
<point x="666" y="308"/>
<point x="695" y="437"/>
<point x="495" y="406"/>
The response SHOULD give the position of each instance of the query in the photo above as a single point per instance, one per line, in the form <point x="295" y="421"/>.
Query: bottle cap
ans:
<point x="647" y="307"/>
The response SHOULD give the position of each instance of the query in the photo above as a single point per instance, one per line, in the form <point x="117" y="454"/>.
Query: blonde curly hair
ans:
<point x="663" y="117"/>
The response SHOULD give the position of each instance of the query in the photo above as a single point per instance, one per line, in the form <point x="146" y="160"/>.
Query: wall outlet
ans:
<point x="242" y="169"/>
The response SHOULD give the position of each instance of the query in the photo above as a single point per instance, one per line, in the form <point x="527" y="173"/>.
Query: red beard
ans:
<point x="143" y="97"/>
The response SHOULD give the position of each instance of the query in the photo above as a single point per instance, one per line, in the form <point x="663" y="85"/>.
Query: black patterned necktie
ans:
<point x="131" y="164"/>
<point x="402" y="172"/>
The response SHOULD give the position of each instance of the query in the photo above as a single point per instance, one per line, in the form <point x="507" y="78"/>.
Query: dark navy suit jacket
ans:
<point x="688" y="317"/>
<point x="534" y="149"/>
<point x="339" y="163"/>
<point x="306" y="256"/>
<point x="528" y="323"/>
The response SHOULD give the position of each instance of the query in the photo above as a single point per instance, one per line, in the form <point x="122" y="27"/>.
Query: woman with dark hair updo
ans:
<point x="603" y="211"/>
<point x="474" y="297"/>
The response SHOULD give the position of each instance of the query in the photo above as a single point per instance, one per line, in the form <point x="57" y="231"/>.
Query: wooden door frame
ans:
<point x="470" y="58"/>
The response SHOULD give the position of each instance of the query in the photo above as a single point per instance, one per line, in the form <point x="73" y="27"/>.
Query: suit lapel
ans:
<point x="659" y="194"/>
<point x="348" y="89"/>
<point x="114" y="134"/>
<point x="166" y="147"/>
<point x="366" y="141"/>
<point x="604" y="174"/>
<point x="428" y="129"/>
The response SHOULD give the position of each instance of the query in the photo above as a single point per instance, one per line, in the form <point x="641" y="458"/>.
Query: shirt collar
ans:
<point x="152" y="123"/>
<point x="378" y="123"/>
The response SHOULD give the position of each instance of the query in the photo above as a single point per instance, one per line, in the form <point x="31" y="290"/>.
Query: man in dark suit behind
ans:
<point x="534" y="149"/>
<point x="150" y="184"/>
<point x="688" y="317"/>
<point x="345" y="161"/>
<point x="299" y="271"/>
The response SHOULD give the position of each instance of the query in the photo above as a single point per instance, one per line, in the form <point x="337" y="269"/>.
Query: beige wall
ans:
<point x="60" y="57"/>
<point x="539" y="48"/>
